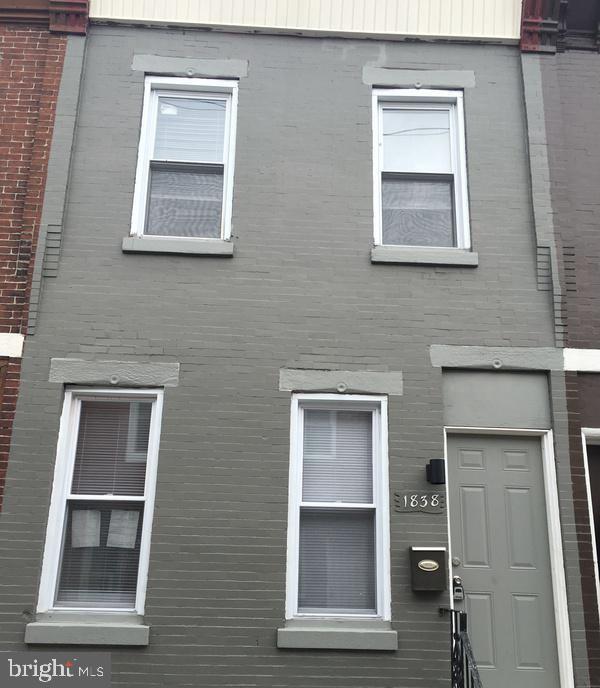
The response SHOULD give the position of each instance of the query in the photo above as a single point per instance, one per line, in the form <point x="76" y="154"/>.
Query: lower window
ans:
<point x="338" y="535"/>
<point x="98" y="535"/>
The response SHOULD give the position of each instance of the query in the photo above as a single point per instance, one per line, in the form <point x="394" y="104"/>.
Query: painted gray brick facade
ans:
<point x="300" y="292"/>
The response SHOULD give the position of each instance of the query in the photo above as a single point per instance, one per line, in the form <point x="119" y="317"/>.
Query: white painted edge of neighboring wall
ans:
<point x="583" y="360"/>
<point x="11" y="344"/>
<point x="557" y="563"/>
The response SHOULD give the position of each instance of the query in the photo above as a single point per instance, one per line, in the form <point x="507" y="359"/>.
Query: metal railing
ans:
<point x="464" y="671"/>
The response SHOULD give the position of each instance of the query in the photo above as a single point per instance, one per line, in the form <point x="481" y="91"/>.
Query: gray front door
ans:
<point x="500" y="550"/>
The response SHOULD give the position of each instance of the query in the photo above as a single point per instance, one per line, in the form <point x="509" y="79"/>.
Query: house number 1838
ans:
<point x="415" y="500"/>
<point x="429" y="502"/>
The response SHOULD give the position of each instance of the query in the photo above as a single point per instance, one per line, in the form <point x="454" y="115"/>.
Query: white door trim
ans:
<point x="559" y="589"/>
<point x="591" y="436"/>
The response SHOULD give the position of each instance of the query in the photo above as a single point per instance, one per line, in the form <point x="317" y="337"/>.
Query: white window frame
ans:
<point x="154" y="87"/>
<point x="422" y="99"/>
<point x="591" y="436"/>
<point x="61" y="491"/>
<point x="343" y="402"/>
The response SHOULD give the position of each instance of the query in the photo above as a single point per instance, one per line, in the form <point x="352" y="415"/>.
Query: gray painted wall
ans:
<point x="496" y="400"/>
<point x="300" y="292"/>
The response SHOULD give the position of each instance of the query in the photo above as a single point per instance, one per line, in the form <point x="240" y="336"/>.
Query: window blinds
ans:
<point x="338" y="459"/>
<point x="112" y="445"/>
<point x="190" y="129"/>
<point x="337" y="561"/>
<point x="336" y="570"/>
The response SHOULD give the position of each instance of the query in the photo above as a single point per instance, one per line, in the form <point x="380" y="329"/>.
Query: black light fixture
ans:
<point x="436" y="471"/>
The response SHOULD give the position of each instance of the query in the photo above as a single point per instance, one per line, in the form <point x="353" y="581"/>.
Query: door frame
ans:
<point x="557" y="565"/>
<point x="591" y="436"/>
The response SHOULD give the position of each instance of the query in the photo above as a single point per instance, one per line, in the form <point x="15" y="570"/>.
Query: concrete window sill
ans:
<point x="83" y="628"/>
<point x="342" y="634"/>
<point x="195" y="247"/>
<point x="410" y="255"/>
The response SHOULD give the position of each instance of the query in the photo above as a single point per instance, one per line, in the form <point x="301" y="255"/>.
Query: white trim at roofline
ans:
<point x="11" y="344"/>
<point x="559" y="586"/>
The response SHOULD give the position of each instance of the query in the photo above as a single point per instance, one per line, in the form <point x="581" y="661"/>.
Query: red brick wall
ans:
<point x="572" y="97"/>
<point x="581" y="410"/>
<point x="30" y="70"/>
<point x="587" y="395"/>
<point x="571" y="85"/>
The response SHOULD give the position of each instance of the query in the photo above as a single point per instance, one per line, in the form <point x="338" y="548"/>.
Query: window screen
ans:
<point x="101" y="541"/>
<point x="185" y="201"/>
<point x="416" y="212"/>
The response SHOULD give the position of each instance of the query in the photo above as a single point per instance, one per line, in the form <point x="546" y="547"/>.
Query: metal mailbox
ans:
<point x="429" y="569"/>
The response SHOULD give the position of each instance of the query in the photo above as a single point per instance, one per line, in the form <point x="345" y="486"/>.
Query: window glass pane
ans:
<point x="338" y="456"/>
<point x="100" y="556"/>
<point x="416" y="141"/>
<point x="417" y="213"/>
<point x="185" y="203"/>
<point x="190" y="129"/>
<point x="112" y="447"/>
<point x="337" y="561"/>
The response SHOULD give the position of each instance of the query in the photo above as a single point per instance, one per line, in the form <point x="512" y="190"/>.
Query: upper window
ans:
<point x="185" y="163"/>
<point x="338" y="530"/>
<point x="98" y="535"/>
<point x="420" y="181"/>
